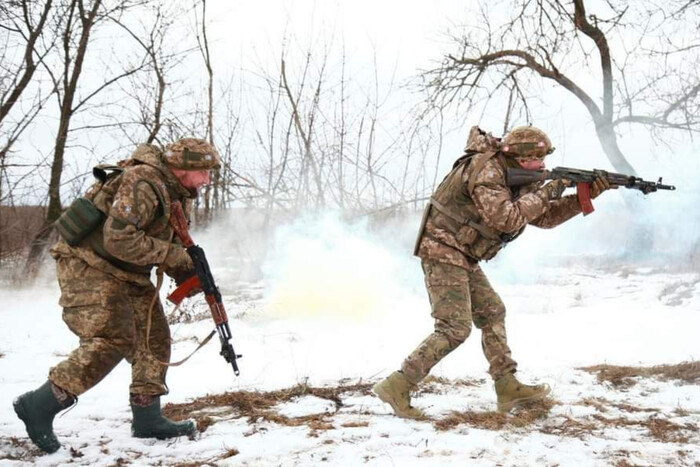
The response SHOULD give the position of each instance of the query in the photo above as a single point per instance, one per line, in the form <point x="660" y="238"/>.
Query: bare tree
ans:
<point x="18" y="19"/>
<point x="305" y="130"/>
<point x="596" y="57"/>
<point x="152" y="30"/>
<point x="22" y="24"/>
<point x="77" y="19"/>
<point x="211" y="194"/>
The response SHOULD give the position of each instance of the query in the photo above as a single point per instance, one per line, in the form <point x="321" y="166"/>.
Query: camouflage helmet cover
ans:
<point x="191" y="154"/>
<point x="527" y="142"/>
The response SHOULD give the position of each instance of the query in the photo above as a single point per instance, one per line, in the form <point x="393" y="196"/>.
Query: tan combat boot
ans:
<point x="395" y="391"/>
<point x="512" y="393"/>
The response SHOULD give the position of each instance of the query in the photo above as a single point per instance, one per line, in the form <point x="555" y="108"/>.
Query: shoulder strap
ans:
<point x="482" y="229"/>
<point x="478" y="167"/>
<point x="464" y="158"/>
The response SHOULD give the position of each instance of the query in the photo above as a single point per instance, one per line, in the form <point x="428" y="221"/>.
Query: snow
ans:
<point x="347" y="309"/>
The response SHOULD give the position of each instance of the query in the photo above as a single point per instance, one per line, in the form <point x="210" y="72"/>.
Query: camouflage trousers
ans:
<point x="459" y="296"/>
<point x="109" y="316"/>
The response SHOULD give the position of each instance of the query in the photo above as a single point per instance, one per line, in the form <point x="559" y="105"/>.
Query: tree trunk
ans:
<point x="608" y="140"/>
<point x="70" y="78"/>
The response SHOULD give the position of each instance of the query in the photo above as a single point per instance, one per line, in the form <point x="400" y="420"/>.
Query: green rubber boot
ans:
<point x="37" y="410"/>
<point x="148" y="422"/>
<point x="395" y="391"/>
<point x="512" y="393"/>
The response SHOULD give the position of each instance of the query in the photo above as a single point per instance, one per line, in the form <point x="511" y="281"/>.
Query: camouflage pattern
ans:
<point x="481" y="141"/>
<point x="459" y="297"/>
<point x="527" y="142"/>
<point x="192" y="154"/>
<point x="452" y="245"/>
<point x="497" y="207"/>
<point x="106" y="290"/>
<point x="136" y="231"/>
<point x="109" y="316"/>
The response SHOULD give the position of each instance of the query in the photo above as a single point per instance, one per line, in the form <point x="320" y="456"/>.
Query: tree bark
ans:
<point x="608" y="140"/>
<point x="71" y="78"/>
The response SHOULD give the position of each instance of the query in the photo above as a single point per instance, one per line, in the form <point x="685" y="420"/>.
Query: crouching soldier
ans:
<point x="472" y="215"/>
<point x="112" y="238"/>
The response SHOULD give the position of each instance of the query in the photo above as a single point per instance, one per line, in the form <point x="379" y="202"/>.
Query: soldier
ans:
<point x="111" y="239"/>
<point x="471" y="216"/>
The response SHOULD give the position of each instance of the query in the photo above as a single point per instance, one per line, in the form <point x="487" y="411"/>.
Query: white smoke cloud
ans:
<point x="322" y="266"/>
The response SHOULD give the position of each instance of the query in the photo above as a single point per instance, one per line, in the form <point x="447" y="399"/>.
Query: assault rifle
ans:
<point x="203" y="280"/>
<point x="583" y="180"/>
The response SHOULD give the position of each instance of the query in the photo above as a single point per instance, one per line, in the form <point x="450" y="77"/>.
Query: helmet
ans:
<point x="527" y="142"/>
<point x="191" y="154"/>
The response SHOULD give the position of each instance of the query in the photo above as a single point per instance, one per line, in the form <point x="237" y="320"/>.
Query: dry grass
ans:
<point x="569" y="427"/>
<point x="355" y="424"/>
<point x="633" y="408"/>
<point x="432" y="384"/>
<point x="623" y="376"/>
<point x="657" y="428"/>
<point x="596" y="402"/>
<point x="534" y="417"/>
<point x="523" y="417"/>
<point x="213" y="461"/>
<point x="669" y="432"/>
<point x="260" y="406"/>
<point x="15" y="449"/>
<point x="625" y="463"/>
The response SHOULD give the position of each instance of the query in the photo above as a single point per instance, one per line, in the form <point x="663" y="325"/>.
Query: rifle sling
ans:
<point x="149" y="321"/>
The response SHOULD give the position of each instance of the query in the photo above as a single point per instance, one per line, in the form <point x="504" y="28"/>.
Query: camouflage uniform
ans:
<point x="106" y="291"/>
<point x="450" y="250"/>
<point x="111" y="239"/>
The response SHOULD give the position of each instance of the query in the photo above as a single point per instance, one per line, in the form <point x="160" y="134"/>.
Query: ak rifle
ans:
<point x="202" y="279"/>
<point x="583" y="180"/>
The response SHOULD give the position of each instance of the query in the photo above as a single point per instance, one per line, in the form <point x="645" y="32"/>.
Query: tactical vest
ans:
<point x="82" y="224"/>
<point x="451" y="208"/>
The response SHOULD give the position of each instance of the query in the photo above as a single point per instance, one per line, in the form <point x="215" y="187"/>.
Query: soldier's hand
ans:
<point x="178" y="259"/>
<point x="600" y="185"/>
<point x="555" y="189"/>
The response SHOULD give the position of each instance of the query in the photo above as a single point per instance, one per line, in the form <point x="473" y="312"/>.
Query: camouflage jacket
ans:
<point x="503" y="213"/>
<point x="136" y="233"/>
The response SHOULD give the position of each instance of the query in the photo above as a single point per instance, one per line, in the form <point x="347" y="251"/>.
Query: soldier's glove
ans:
<point x="177" y="260"/>
<point x="554" y="189"/>
<point x="600" y="185"/>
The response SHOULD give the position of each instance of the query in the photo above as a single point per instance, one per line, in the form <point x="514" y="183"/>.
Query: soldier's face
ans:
<point x="193" y="180"/>
<point x="531" y="163"/>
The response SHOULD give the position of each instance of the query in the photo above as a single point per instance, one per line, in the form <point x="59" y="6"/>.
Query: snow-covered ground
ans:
<point x="331" y="317"/>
